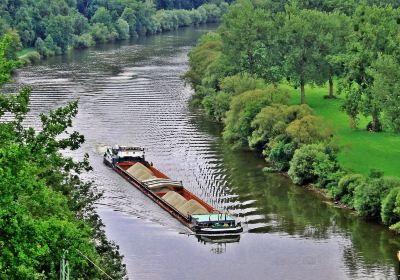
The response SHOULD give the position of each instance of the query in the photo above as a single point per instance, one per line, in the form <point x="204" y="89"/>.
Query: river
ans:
<point x="132" y="92"/>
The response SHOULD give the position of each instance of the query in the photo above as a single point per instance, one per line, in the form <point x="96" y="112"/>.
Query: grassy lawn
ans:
<point x="361" y="150"/>
<point x="25" y="51"/>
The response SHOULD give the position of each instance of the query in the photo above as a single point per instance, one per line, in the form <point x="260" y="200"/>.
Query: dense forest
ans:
<point x="245" y="75"/>
<point x="51" y="27"/>
<point x="183" y="4"/>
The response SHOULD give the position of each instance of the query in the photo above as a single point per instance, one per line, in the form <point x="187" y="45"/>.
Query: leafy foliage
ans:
<point x="6" y="65"/>
<point x="216" y="105"/>
<point x="390" y="212"/>
<point x="368" y="197"/>
<point x="243" y="109"/>
<point x="344" y="191"/>
<point x="81" y="23"/>
<point x="46" y="209"/>
<point x="313" y="163"/>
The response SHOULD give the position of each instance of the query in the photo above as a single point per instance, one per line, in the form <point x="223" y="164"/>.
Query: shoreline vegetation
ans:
<point x="313" y="89"/>
<point x="47" y="210"/>
<point x="74" y="27"/>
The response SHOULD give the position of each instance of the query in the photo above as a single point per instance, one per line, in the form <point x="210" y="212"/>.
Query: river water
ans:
<point x="132" y="92"/>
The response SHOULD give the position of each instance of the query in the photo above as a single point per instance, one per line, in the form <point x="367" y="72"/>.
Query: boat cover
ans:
<point x="156" y="183"/>
<point x="140" y="172"/>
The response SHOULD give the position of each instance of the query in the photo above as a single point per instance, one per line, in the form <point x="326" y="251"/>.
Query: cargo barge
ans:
<point x="197" y="215"/>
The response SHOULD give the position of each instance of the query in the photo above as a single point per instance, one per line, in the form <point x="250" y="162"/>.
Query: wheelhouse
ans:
<point x="118" y="154"/>
<point x="214" y="220"/>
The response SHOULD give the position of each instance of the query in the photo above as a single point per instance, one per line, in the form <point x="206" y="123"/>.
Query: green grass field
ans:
<point x="23" y="52"/>
<point x="361" y="151"/>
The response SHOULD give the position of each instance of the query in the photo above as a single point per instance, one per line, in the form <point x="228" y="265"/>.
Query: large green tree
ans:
<point x="46" y="210"/>
<point x="375" y="30"/>
<point x="303" y="59"/>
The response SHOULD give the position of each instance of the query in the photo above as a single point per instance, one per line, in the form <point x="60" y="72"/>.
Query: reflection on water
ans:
<point x="132" y="93"/>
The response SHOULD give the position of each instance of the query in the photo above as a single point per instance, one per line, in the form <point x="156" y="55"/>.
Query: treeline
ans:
<point x="51" y="27"/>
<point x="240" y="75"/>
<point x="303" y="46"/>
<point x="47" y="211"/>
<point x="183" y="4"/>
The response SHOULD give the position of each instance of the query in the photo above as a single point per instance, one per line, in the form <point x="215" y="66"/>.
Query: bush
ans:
<point x="202" y="56"/>
<point x="368" y="197"/>
<point x="344" y="191"/>
<point x="272" y="122"/>
<point x="30" y="58"/>
<point x="239" y="83"/>
<point x="33" y="57"/>
<point x="312" y="164"/>
<point x="83" y="41"/>
<point x="307" y="130"/>
<point x="269" y="123"/>
<point x="101" y="33"/>
<point x="244" y="107"/>
<point x="280" y="154"/>
<point x="389" y="215"/>
<point x="216" y="105"/>
<point x="122" y="29"/>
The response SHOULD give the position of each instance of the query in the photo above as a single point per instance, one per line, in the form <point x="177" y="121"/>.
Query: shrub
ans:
<point x="272" y="122"/>
<point x="239" y="83"/>
<point x="122" y="29"/>
<point x="344" y="191"/>
<point x="216" y="105"/>
<point x="244" y="107"/>
<point x="30" y="58"/>
<point x="368" y="197"/>
<point x="312" y="164"/>
<point x="307" y="130"/>
<point x="207" y="51"/>
<point x="83" y="41"/>
<point x="280" y="154"/>
<point x="101" y="33"/>
<point x="388" y="214"/>
<point x="269" y="123"/>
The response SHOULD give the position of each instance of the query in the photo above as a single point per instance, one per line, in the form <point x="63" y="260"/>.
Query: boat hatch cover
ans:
<point x="201" y="218"/>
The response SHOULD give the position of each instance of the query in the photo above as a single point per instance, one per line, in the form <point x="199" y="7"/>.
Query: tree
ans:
<point x="123" y="29"/>
<point x="6" y="65"/>
<point x="129" y="16"/>
<point x="375" y="30"/>
<point x="337" y="29"/>
<point x="102" y="15"/>
<point x="386" y="87"/>
<point x="241" y="32"/>
<point x="60" y="29"/>
<point x="46" y="208"/>
<point x="303" y="59"/>
<point x="239" y="83"/>
<point x="202" y="57"/>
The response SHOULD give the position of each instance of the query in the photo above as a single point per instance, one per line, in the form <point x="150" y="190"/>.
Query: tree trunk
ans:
<point x="375" y="124"/>
<point x="303" y="93"/>
<point x="331" y="87"/>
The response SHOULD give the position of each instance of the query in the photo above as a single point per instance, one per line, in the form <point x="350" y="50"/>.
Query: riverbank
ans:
<point x="104" y="31"/>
